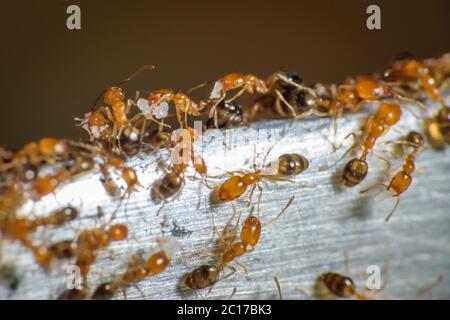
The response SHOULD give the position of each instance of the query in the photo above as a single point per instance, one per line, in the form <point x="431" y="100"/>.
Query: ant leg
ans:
<point x="258" y="208"/>
<point x="283" y="134"/>
<point x="375" y="185"/>
<point x="277" y="284"/>
<point x="291" y="108"/>
<point x="237" y="95"/>
<point x="295" y="84"/>
<point x="140" y="291"/>
<point x="352" y="148"/>
<point x="388" y="164"/>
<point x="213" y="111"/>
<point x="250" y="196"/>
<point x="304" y="291"/>
<point x="412" y="101"/>
<point x="278" y="109"/>
<point x="425" y="290"/>
<point x="233" y="270"/>
<point x="291" y="199"/>
<point x="232" y="293"/>
<point x="392" y="211"/>
<point x="243" y="268"/>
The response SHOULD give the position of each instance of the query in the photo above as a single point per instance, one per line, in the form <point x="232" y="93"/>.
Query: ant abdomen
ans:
<point x="354" y="172"/>
<point x="337" y="284"/>
<point x="228" y="114"/>
<point x="72" y="294"/>
<point x="167" y="186"/>
<point x="130" y="140"/>
<point x="292" y="164"/>
<point x="105" y="291"/>
<point x="232" y="188"/>
<point x="202" y="277"/>
<point x="64" y="249"/>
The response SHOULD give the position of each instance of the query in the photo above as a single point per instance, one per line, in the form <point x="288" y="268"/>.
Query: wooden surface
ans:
<point x="325" y="220"/>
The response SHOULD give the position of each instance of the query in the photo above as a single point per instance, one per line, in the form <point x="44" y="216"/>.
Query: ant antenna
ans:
<point x="133" y="75"/>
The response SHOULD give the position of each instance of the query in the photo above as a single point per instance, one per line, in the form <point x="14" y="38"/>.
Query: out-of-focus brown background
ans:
<point x="51" y="74"/>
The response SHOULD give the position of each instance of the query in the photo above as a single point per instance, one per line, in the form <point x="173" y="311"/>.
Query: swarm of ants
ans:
<point x="119" y="127"/>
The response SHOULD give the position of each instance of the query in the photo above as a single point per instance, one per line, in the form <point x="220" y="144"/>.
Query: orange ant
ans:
<point x="207" y="275"/>
<point x="339" y="285"/>
<point x="20" y="228"/>
<point x="288" y="165"/>
<point x="45" y="185"/>
<point x="107" y="124"/>
<point x="230" y="82"/>
<point x="138" y="269"/>
<point x="385" y="117"/>
<point x="46" y="150"/>
<point x="90" y="241"/>
<point x="172" y="181"/>
<point x="415" y="70"/>
<point x="128" y="175"/>
<point x="402" y="179"/>
<point x="183" y="104"/>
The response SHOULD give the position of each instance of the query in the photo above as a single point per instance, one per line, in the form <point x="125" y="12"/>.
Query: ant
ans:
<point x="56" y="218"/>
<point x="438" y="128"/>
<point x="8" y="273"/>
<point x="183" y="104"/>
<point x="243" y="82"/>
<point x="106" y="123"/>
<point x="288" y="165"/>
<point x="45" y="185"/>
<point x="172" y="181"/>
<point x="138" y="269"/>
<point x="64" y="249"/>
<point x="158" y="139"/>
<point x="386" y="115"/>
<point x="230" y="82"/>
<point x="46" y="150"/>
<point x="130" y="140"/>
<point x="90" y="241"/>
<point x="339" y="285"/>
<point x="128" y="174"/>
<point x="414" y="70"/>
<point x="168" y="185"/>
<point x="20" y="228"/>
<point x="207" y="275"/>
<point x="402" y="179"/>
<point x="229" y="115"/>
<point x="291" y="99"/>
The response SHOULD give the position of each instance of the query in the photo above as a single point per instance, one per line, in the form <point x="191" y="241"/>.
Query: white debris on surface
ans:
<point x="216" y="93"/>
<point x="158" y="110"/>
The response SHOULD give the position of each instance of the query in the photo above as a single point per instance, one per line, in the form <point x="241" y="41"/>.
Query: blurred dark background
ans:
<point x="51" y="74"/>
